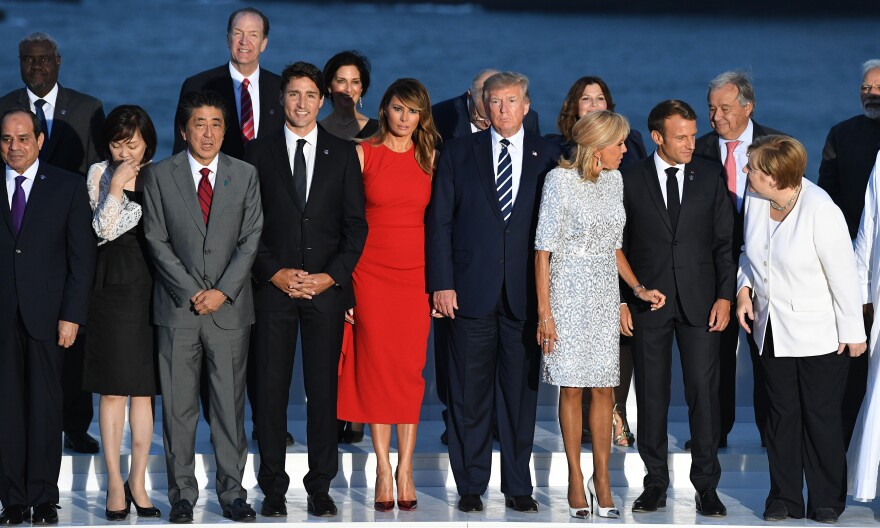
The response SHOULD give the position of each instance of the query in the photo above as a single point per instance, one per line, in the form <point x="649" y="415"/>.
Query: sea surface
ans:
<point x="806" y="70"/>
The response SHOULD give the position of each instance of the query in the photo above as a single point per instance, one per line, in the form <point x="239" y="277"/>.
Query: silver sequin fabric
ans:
<point x="581" y="224"/>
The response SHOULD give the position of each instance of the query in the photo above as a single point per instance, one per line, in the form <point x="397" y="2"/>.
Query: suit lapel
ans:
<point x="323" y="155"/>
<point x="463" y="123"/>
<point x="59" y="124"/>
<point x="222" y="189"/>
<point x="652" y="182"/>
<point x="528" y="180"/>
<point x="486" y="171"/>
<point x="7" y="214"/>
<point x="35" y="199"/>
<point x="279" y="153"/>
<point x="687" y="193"/>
<point x="267" y="106"/>
<point x="227" y="92"/>
<point x="183" y="178"/>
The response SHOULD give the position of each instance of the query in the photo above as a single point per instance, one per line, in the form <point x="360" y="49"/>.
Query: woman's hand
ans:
<point x="124" y="172"/>
<point x="349" y="316"/>
<point x="547" y="336"/>
<point x="654" y="297"/>
<point x="744" y="308"/>
<point x="855" y="349"/>
<point x="626" y="321"/>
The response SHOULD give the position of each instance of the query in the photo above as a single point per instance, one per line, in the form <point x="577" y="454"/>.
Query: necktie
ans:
<point x="673" y="202"/>
<point x="299" y="171"/>
<point x="247" y="112"/>
<point x="730" y="169"/>
<point x="18" y="204"/>
<point x="504" y="181"/>
<point x="206" y="193"/>
<point x="38" y="109"/>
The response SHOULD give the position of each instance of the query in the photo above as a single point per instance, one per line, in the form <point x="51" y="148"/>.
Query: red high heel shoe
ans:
<point x="405" y="505"/>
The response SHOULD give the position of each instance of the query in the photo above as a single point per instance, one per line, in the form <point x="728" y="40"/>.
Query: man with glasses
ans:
<point x="847" y="160"/>
<point x="71" y="122"/>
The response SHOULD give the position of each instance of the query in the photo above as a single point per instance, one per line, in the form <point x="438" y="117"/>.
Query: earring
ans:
<point x="361" y="103"/>
<point x="598" y="162"/>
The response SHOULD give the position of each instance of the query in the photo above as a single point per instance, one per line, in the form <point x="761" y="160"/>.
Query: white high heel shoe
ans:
<point x="579" y="513"/>
<point x="608" y="513"/>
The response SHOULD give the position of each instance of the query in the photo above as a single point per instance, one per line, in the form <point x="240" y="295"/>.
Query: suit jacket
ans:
<point x="327" y="236"/>
<point x="453" y="120"/>
<point x="803" y="275"/>
<point x="189" y="256"/>
<point x="46" y="271"/>
<point x="76" y="128"/>
<point x="469" y="247"/>
<point x="219" y="80"/>
<point x="708" y="148"/>
<point x="695" y="261"/>
<point x="847" y="160"/>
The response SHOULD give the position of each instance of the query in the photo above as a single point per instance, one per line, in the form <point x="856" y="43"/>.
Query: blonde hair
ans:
<point x="592" y="133"/>
<point x="782" y="157"/>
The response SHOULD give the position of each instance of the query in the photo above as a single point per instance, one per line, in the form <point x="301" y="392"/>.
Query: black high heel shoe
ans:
<point x="142" y="512"/>
<point x="116" y="515"/>
<point x="405" y="505"/>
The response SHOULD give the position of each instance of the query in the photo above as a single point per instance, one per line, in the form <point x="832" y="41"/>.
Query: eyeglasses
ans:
<point x="42" y="60"/>
<point x="868" y="88"/>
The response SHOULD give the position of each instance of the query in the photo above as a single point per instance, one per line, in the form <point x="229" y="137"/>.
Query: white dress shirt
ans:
<point x="26" y="185"/>
<point x="661" y="175"/>
<point x="308" y="151"/>
<point x="48" y="108"/>
<point x="739" y="155"/>
<point x="516" y="157"/>
<point x="254" y="90"/>
<point x="195" y="167"/>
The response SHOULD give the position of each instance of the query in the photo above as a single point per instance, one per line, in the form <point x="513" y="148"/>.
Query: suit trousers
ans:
<point x="803" y="429"/>
<point x="182" y="351"/>
<point x="485" y="349"/>
<point x="31" y="414"/>
<point x="274" y="346"/>
<point x="727" y="349"/>
<point x="79" y="408"/>
<point x="759" y="388"/>
<point x="442" y="329"/>
<point x="652" y="365"/>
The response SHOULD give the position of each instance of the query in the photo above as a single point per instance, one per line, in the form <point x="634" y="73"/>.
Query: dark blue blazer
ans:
<point x="46" y="271"/>
<point x="452" y="119"/>
<point x="469" y="247"/>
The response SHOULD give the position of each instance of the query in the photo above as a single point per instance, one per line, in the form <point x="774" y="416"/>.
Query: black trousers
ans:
<point x="759" y="388"/>
<point x="442" y="334"/>
<point x="727" y="375"/>
<point x="31" y="416"/>
<point x="274" y="348"/>
<point x="485" y="350"/>
<point x="78" y="405"/>
<point x="803" y="429"/>
<point x="652" y="366"/>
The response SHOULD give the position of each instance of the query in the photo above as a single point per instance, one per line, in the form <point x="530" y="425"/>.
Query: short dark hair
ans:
<point x="27" y="111"/>
<point x="301" y="69"/>
<point x="193" y="100"/>
<point x="122" y="123"/>
<point x="253" y="11"/>
<point x="669" y="108"/>
<point x="348" y="58"/>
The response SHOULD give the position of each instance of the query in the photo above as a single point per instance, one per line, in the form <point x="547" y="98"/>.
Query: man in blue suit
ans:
<point x="480" y="250"/>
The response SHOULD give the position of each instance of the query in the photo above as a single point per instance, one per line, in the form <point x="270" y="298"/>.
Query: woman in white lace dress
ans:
<point x="577" y="263"/>
<point x="119" y="361"/>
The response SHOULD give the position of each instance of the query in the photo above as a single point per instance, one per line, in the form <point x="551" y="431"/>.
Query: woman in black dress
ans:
<point x="119" y="360"/>
<point x="347" y="78"/>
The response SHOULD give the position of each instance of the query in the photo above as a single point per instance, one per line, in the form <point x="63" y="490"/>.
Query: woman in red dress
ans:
<point x="381" y="378"/>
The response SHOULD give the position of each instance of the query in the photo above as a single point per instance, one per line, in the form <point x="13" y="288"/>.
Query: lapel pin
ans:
<point x="42" y="176"/>
<point x="272" y="112"/>
<point x="63" y="112"/>
<point x="326" y="151"/>
<point x="226" y="182"/>
<point x="691" y="175"/>
<point x="534" y="153"/>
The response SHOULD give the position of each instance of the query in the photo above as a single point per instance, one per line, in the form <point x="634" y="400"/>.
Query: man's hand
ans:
<point x="67" y="333"/>
<point x="446" y="302"/>
<point x="719" y="316"/>
<point x="626" y="321"/>
<point x="308" y="285"/>
<point x="284" y="279"/>
<point x="208" y="301"/>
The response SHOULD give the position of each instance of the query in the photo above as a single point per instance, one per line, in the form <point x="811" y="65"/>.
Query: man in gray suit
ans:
<point x="202" y="219"/>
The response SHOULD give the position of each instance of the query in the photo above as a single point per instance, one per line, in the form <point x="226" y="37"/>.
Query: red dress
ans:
<point x="380" y="378"/>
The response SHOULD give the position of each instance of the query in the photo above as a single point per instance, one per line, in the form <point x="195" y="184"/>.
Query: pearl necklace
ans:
<point x="794" y="195"/>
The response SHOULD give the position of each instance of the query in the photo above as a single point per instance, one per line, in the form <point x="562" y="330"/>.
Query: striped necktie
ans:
<point x="206" y="193"/>
<point x="504" y="181"/>
<point x="247" y="112"/>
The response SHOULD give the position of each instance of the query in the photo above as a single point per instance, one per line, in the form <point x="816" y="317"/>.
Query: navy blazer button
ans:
<point x="205" y="277"/>
<point x="18" y="251"/>
<point x="675" y="242"/>
<point x="305" y="219"/>
<point x="308" y="249"/>
<point x="507" y="231"/>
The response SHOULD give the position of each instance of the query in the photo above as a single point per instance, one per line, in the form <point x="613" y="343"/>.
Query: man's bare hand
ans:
<point x="308" y="285"/>
<point x="719" y="316"/>
<point x="67" y="333"/>
<point x="208" y="301"/>
<point x="446" y="302"/>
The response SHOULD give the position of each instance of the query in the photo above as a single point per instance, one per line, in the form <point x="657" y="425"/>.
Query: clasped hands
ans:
<point x="207" y="301"/>
<point x="300" y="284"/>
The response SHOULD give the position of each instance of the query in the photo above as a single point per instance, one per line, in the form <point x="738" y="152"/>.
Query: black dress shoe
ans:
<point x="80" y="442"/>
<point x="15" y="514"/>
<point x="470" y="503"/>
<point x="652" y="498"/>
<point x="521" y="503"/>
<point x="444" y="438"/>
<point x="321" y="505"/>
<point x="181" y="512"/>
<point x="776" y="511"/>
<point x="45" y="513"/>
<point x="826" y="515"/>
<point x="239" y="511"/>
<point x="274" y="506"/>
<point x="709" y="504"/>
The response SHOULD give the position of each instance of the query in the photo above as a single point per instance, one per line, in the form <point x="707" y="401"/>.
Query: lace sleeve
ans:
<point x="111" y="218"/>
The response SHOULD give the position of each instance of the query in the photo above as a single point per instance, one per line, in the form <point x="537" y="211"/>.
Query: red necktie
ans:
<point x="247" y="112"/>
<point x="206" y="193"/>
<point x="730" y="169"/>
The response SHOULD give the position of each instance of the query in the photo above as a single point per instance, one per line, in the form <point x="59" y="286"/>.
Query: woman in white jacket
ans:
<point x="797" y="282"/>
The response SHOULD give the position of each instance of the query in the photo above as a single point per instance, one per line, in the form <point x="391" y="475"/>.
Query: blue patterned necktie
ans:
<point x="504" y="181"/>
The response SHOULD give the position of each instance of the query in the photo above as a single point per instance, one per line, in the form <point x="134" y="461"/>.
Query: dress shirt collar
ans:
<point x="516" y="140"/>
<point x="238" y="78"/>
<point x="195" y="167"/>
<point x="51" y="97"/>
<point x="661" y="165"/>
<point x="290" y="138"/>
<point x="30" y="173"/>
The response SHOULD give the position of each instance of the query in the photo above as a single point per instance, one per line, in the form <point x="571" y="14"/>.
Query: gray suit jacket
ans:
<point x="190" y="256"/>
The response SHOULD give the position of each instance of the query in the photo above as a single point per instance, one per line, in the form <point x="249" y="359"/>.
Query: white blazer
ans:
<point x="803" y="275"/>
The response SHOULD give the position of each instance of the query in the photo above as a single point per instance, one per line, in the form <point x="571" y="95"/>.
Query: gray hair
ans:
<point x="869" y="65"/>
<point x="505" y="79"/>
<point x="39" y="36"/>
<point x="740" y="80"/>
<point x="476" y="88"/>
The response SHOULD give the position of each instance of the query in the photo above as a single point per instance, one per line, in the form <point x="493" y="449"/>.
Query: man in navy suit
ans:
<point x="480" y="228"/>
<point x="71" y="123"/>
<point x="46" y="269"/>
